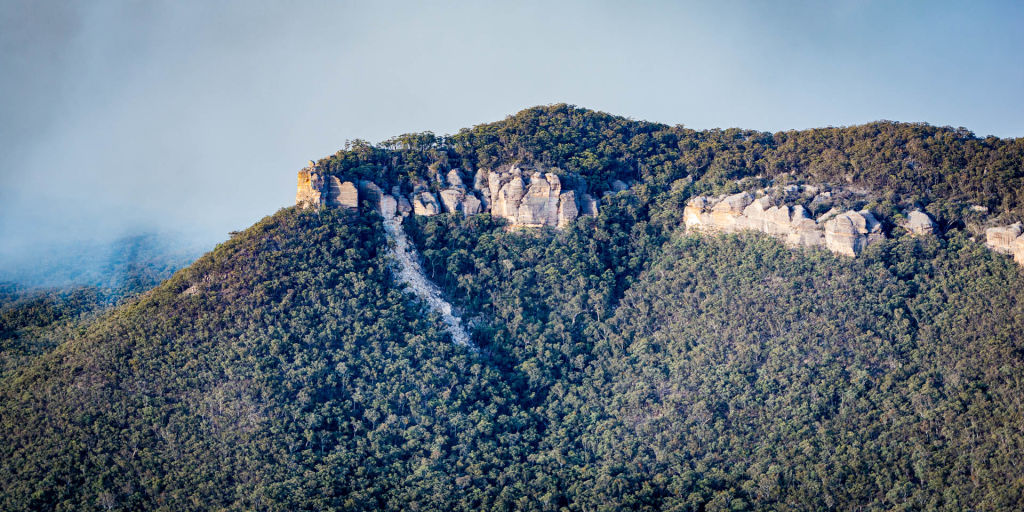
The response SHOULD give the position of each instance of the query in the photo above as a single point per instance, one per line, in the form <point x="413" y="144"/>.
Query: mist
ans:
<point x="189" y="119"/>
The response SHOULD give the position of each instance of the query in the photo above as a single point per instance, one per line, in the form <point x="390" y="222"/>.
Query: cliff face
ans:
<point x="1007" y="240"/>
<point x="843" y="233"/>
<point x="310" y="189"/>
<point x="316" y="191"/>
<point x="528" y="198"/>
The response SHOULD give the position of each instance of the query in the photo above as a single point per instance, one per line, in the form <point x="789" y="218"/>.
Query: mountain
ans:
<point x="625" y="358"/>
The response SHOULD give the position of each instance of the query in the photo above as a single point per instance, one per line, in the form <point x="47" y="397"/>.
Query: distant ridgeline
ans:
<point x="838" y="188"/>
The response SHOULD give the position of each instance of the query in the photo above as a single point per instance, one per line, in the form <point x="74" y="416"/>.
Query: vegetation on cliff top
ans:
<point x="942" y="168"/>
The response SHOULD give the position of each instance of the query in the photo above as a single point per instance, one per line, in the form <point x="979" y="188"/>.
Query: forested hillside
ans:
<point x="624" y="363"/>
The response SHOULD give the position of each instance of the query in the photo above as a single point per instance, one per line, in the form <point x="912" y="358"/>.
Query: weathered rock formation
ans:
<point x="523" y="197"/>
<point x="342" y="193"/>
<point x="310" y="189"/>
<point x="529" y="198"/>
<point x="369" y="191"/>
<point x="425" y="203"/>
<point x="846" y="233"/>
<point x="1007" y="240"/>
<point x="919" y="223"/>
<point x="316" y="191"/>
<point x="851" y="232"/>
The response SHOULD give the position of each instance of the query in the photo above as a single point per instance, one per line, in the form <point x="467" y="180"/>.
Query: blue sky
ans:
<point x="122" y="116"/>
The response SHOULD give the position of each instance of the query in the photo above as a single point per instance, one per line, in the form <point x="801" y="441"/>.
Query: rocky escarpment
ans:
<point x="315" y="190"/>
<point x="1007" y="240"/>
<point x="310" y="190"/>
<point x="524" y="196"/>
<point x="845" y="233"/>
<point x="529" y="197"/>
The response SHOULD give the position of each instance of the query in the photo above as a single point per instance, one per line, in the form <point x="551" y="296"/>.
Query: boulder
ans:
<point x="404" y="206"/>
<point x="310" y="189"/>
<point x="471" y="205"/>
<point x="451" y="199"/>
<point x="388" y="206"/>
<point x="1003" y="238"/>
<point x="832" y="212"/>
<point x="425" y="204"/>
<point x="619" y="186"/>
<point x="849" y="233"/>
<point x="919" y="223"/>
<point x="588" y="205"/>
<point x="342" y="194"/>
<point x="567" y="210"/>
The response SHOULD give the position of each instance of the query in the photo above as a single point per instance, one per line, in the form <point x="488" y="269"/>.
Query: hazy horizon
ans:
<point x="123" y="117"/>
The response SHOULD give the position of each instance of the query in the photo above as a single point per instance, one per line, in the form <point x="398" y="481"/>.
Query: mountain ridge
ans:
<point x="625" y="362"/>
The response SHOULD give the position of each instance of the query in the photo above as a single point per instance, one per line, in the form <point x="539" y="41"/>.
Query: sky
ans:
<point x="192" y="117"/>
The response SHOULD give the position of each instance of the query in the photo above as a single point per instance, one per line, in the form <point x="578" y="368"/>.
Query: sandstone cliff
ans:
<point x="1007" y="240"/>
<point x="310" y="189"/>
<point x="528" y="198"/>
<point x="844" y="233"/>
<point x="316" y="191"/>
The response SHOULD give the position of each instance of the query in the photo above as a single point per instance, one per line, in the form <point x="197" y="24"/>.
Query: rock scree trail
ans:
<point x="409" y="272"/>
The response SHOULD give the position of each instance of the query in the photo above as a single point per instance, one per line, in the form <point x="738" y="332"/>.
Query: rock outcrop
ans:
<point x="310" y="189"/>
<point x="851" y="232"/>
<point x="523" y="197"/>
<point x="1007" y="240"/>
<point x="919" y="223"/>
<point x="846" y="233"/>
<point x="426" y="204"/>
<point x="342" y="193"/>
<point x="317" y="191"/>
<point x="369" y="191"/>
<point x="529" y="198"/>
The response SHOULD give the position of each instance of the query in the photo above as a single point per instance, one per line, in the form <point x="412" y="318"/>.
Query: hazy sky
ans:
<point x="195" y="115"/>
